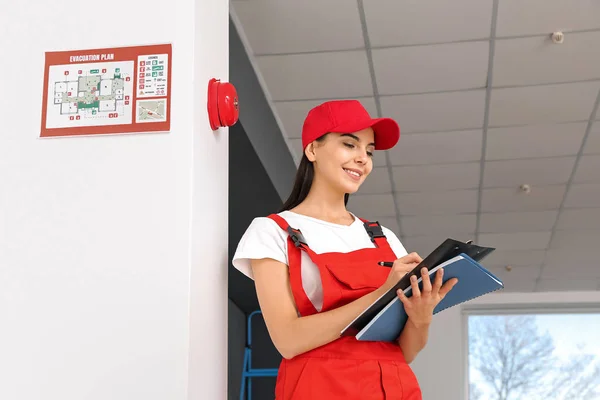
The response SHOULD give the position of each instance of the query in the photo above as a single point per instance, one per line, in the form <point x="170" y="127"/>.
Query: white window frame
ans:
<point x="526" y="308"/>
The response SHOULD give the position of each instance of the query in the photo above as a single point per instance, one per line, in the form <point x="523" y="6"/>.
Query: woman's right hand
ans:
<point x="401" y="267"/>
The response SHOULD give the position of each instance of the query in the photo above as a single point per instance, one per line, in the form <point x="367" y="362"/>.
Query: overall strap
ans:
<point x="375" y="232"/>
<point x="296" y="242"/>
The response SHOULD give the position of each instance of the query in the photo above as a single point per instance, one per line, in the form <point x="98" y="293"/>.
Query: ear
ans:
<point x="310" y="152"/>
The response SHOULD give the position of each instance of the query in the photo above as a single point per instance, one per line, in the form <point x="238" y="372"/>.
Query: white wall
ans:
<point x="107" y="276"/>
<point x="210" y="258"/>
<point x="441" y="367"/>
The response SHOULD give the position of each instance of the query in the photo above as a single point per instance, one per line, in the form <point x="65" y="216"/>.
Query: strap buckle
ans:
<point x="374" y="230"/>
<point x="296" y="236"/>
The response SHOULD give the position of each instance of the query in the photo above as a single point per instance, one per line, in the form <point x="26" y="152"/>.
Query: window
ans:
<point x="534" y="356"/>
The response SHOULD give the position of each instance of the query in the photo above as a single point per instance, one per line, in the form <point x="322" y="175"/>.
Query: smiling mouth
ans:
<point x="353" y="174"/>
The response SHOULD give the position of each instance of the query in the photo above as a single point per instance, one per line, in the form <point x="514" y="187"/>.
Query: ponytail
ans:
<point x="303" y="182"/>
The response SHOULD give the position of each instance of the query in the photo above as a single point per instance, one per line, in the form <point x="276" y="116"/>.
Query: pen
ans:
<point x="386" y="263"/>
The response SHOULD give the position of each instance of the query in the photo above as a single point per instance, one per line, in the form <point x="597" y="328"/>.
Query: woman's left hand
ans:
<point x="419" y="307"/>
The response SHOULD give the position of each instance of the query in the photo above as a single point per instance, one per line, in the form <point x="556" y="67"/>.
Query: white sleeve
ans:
<point x="263" y="239"/>
<point x="395" y="244"/>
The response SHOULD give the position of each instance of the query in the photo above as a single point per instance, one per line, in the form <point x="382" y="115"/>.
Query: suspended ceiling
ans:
<point x="486" y="101"/>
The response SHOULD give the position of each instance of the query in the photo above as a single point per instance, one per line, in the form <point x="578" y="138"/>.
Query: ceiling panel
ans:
<point x="272" y="26"/>
<point x="535" y="141"/>
<point x="419" y="69"/>
<point x="316" y="76"/>
<point x="583" y="195"/>
<point x="377" y="182"/>
<point x="534" y="17"/>
<point x="519" y="279"/>
<point x="372" y="206"/>
<point x="586" y="256"/>
<point x="296" y="145"/>
<point x="561" y="264"/>
<point x="535" y="60"/>
<point x="393" y="23"/>
<point x="436" y="112"/>
<point x="441" y="224"/>
<point x="576" y="239"/>
<point x="379" y="159"/>
<point x="553" y="285"/>
<point x="516" y="240"/>
<point x="517" y="221"/>
<point x="438" y="147"/>
<point x="512" y="199"/>
<point x="543" y="104"/>
<point x="514" y="284"/>
<point x="569" y="271"/>
<point x="588" y="170"/>
<point x="293" y="113"/>
<point x="592" y="145"/>
<point x="437" y="203"/>
<point x="527" y="272"/>
<point x="390" y="223"/>
<point x="582" y="218"/>
<point x="515" y="258"/>
<point x="535" y="172"/>
<point x="424" y="245"/>
<point x="436" y="177"/>
<point x="430" y="61"/>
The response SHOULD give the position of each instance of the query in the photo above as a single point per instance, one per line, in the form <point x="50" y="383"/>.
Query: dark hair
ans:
<point x="304" y="179"/>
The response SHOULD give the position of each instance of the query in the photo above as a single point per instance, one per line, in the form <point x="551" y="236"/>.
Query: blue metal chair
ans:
<point x="248" y="372"/>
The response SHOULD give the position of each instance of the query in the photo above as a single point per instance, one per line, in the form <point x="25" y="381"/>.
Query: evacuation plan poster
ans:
<point x="107" y="91"/>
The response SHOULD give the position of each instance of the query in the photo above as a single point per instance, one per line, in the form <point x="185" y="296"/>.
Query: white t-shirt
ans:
<point x="265" y="239"/>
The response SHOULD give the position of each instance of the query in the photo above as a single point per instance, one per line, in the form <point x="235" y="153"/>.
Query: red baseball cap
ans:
<point x="348" y="116"/>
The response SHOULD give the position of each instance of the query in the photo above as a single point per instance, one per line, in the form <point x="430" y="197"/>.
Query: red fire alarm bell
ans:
<point x="222" y="104"/>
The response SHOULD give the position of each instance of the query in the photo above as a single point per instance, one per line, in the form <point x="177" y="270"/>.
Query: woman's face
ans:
<point x="343" y="160"/>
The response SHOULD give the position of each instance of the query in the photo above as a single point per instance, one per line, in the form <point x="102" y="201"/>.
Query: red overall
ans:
<point x="346" y="368"/>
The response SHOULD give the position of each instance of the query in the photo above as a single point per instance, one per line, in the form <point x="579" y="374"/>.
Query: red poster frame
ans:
<point x="130" y="53"/>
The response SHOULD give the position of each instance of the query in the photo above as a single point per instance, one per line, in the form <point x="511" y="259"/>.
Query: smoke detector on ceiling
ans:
<point x="525" y="188"/>
<point x="558" y="37"/>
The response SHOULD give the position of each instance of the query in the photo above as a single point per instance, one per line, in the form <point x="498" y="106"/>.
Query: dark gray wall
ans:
<point x="258" y="119"/>
<point x="261" y="174"/>
<point x="251" y="194"/>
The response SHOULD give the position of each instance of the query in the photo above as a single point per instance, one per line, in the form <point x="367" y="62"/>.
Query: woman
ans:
<point x="315" y="267"/>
